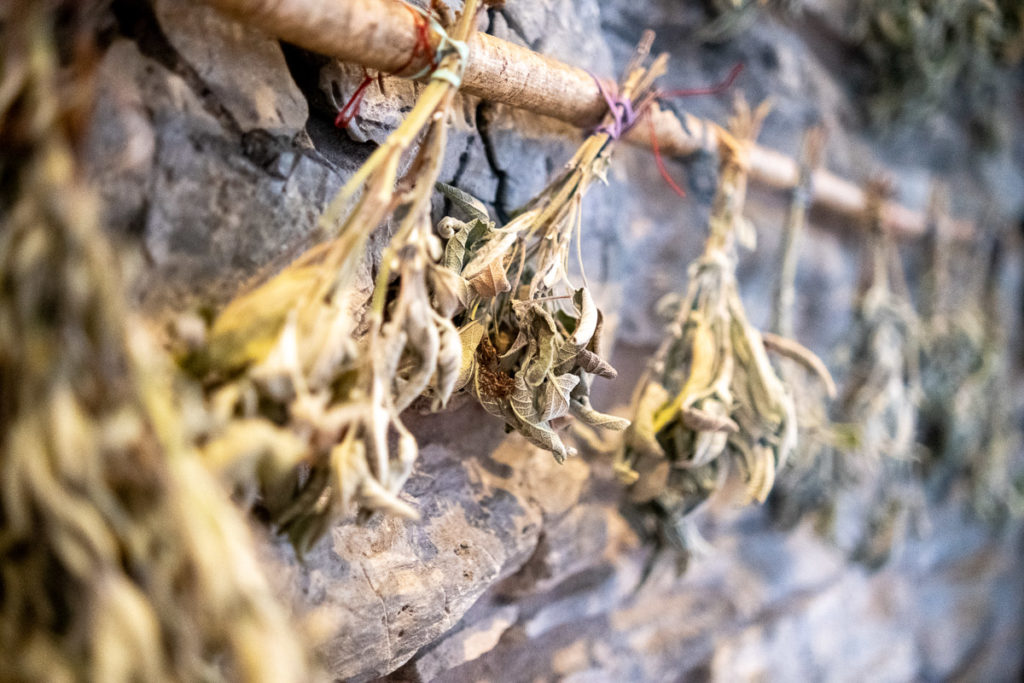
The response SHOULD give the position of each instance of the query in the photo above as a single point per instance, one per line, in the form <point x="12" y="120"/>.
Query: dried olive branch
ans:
<point x="122" y="560"/>
<point x="710" y="401"/>
<point x="296" y="362"/>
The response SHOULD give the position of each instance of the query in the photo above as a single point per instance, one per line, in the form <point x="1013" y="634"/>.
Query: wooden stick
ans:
<point x="381" y="34"/>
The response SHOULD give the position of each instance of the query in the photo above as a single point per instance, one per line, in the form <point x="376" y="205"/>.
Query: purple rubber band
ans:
<point x="621" y="108"/>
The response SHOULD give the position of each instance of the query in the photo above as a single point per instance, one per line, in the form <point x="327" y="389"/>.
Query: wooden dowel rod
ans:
<point x="381" y="34"/>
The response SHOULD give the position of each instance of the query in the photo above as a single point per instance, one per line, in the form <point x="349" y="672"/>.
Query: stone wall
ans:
<point x="214" y="149"/>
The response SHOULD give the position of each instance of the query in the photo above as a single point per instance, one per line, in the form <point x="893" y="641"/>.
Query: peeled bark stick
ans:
<point x="381" y="34"/>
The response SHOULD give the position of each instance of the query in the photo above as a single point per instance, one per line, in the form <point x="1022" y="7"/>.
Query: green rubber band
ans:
<point x="448" y="76"/>
<point x="446" y="46"/>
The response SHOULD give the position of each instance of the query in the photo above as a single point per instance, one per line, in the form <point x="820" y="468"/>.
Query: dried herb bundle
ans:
<point x="121" y="559"/>
<point x="288" y="349"/>
<point x="952" y="348"/>
<point x="710" y="401"/>
<point x="815" y="468"/>
<point x="963" y="365"/>
<point x="530" y="337"/>
<point x="882" y="392"/>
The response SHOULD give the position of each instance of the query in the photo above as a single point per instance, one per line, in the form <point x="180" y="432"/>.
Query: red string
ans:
<point x="712" y="90"/>
<point x="658" y="159"/>
<point x="351" y="108"/>
<point x="422" y="42"/>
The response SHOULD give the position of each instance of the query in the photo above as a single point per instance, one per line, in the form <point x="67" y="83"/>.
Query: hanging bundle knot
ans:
<point x="446" y="47"/>
<point x="620" y="109"/>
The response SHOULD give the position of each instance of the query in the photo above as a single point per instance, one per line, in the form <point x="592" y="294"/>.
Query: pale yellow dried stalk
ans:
<point x="121" y="560"/>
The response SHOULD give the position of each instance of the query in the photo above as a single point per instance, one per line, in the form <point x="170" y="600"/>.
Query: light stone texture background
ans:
<point x="214" y="149"/>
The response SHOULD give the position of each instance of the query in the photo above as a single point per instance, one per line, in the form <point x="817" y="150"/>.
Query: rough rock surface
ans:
<point x="521" y="569"/>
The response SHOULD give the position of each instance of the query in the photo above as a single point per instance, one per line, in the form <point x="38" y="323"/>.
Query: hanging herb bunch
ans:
<point x="882" y="392"/>
<point x="530" y="336"/>
<point x="995" y="472"/>
<point x="282" y="364"/>
<point x="816" y="469"/>
<point x="710" y="403"/>
<point x="952" y="351"/>
<point x="122" y="559"/>
<point x="964" y="365"/>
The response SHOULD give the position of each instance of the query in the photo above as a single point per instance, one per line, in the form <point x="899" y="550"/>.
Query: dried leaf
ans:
<point x="595" y="365"/>
<point x="705" y="421"/>
<point x="542" y="435"/>
<point x="582" y="409"/>
<point x="545" y="335"/>
<point x="595" y="344"/>
<point x="554" y="398"/>
<point x="490" y="280"/>
<point x="587" y="323"/>
<point x="518" y="345"/>
<point x="708" y="446"/>
<point x="643" y="435"/>
<point x="473" y="207"/>
<point x="469" y="340"/>
<point x="537" y="367"/>
<point x="490" y="258"/>
<point x="522" y="402"/>
<point x="248" y="327"/>
<point x="451" y="291"/>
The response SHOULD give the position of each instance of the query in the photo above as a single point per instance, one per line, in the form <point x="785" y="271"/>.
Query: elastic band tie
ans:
<point x="446" y="46"/>
<point x="621" y="109"/>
